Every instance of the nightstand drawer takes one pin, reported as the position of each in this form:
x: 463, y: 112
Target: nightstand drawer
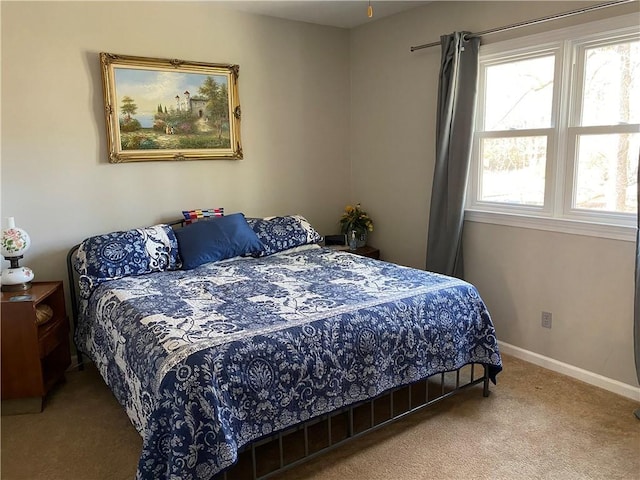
x: 52, y: 334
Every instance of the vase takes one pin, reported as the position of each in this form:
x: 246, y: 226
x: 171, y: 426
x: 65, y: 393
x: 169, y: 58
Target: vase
x: 361, y: 238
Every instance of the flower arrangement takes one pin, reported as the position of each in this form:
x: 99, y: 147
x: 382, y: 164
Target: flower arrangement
x: 354, y: 218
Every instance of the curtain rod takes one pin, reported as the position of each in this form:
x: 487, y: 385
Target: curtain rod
x: 534, y: 22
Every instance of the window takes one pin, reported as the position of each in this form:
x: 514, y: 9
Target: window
x: 558, y: 130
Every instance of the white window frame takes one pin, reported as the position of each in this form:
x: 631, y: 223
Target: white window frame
x: 557, y: 213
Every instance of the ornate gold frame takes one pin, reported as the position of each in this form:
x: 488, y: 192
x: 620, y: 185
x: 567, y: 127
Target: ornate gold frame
x: 177, y: 132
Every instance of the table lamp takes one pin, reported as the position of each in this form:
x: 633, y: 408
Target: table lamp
x: 15, y: 241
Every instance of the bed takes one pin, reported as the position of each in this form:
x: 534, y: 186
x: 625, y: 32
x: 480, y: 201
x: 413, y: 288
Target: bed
x: 230, y: 336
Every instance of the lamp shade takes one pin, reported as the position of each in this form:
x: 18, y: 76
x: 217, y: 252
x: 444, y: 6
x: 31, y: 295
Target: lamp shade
x: 15, y: 241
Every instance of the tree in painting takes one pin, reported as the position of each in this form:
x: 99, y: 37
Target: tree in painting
x: 129, y: 108
x: 216, y: 95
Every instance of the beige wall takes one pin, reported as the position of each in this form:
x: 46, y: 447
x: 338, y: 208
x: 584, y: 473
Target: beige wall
x: 56, y: 181
x: 329, y: 117
x: 585, y: 282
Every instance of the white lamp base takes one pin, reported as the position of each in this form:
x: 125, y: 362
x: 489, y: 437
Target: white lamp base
x: 16, y: 279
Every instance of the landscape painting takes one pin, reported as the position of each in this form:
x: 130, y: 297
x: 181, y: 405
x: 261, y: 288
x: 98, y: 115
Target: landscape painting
x: 161, y: 109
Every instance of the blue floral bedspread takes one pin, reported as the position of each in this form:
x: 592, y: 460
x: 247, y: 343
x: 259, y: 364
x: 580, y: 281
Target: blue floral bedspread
x: 208, y: 360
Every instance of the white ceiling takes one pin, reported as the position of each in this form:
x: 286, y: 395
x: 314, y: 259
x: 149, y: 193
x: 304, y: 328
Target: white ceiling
x: 335, y: 13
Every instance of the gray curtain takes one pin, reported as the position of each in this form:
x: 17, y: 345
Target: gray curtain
x: 636, y: 306
x: 454, y: 134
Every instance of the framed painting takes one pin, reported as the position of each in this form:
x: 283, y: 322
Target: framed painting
x: 161, y: 109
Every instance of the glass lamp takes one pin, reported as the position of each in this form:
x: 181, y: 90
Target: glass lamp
x: 15, y: 241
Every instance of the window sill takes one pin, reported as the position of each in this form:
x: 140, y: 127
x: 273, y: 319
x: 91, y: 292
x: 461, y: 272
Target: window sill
x: 572, y: 227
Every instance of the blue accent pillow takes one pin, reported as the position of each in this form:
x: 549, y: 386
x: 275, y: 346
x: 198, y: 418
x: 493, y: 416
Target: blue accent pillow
x: 216, y: 239
x: 281, y: 233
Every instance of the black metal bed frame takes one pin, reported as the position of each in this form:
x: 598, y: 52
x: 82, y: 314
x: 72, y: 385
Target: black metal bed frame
x: 267, y: 456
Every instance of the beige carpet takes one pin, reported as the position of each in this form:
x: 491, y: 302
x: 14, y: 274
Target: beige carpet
x: 535, y: 425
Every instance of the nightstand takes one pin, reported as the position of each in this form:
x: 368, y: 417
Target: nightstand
x: 366, y: 251
x: 35, y: 353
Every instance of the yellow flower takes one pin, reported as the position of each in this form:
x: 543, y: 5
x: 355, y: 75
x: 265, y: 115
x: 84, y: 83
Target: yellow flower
x: 354, y: 218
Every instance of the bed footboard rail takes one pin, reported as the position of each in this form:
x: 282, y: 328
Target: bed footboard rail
x: 287, y: 449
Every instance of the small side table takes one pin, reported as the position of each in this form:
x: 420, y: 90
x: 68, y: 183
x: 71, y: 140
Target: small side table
x: 35, y: 353
x: 366, y: 251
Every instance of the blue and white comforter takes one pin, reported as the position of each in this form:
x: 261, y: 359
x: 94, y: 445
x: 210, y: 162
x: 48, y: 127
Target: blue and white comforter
x: 208, y: 360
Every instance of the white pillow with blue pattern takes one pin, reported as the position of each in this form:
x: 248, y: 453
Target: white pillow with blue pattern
x: 282, y: 233
x: 125, y: 253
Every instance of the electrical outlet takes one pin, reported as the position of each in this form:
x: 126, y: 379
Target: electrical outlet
x: 546, y: 319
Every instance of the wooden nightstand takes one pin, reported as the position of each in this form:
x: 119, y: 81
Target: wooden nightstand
x: 366, y: 251
x: 34, y: 356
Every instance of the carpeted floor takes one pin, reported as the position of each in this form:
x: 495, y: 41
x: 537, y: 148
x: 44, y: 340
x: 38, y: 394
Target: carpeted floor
x: 535, y: 425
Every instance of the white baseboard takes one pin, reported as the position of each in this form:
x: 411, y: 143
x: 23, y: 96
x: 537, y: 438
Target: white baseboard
x: 591, y: 378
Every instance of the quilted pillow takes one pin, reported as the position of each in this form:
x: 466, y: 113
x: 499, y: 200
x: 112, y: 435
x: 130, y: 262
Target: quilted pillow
x: 217, y: 239
x: 281, y: 233
x: 125, y: 253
